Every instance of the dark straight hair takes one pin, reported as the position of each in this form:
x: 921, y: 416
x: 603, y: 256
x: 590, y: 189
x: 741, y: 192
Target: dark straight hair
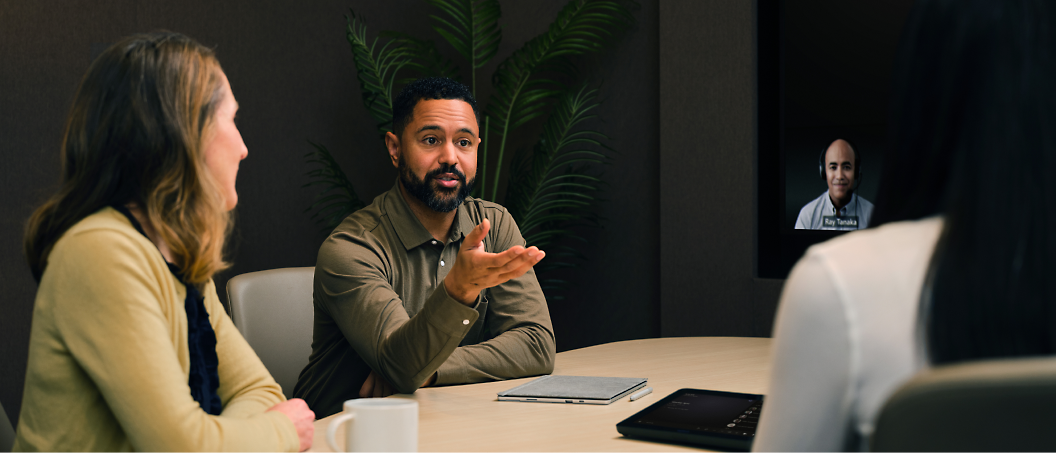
x: 974, y: 140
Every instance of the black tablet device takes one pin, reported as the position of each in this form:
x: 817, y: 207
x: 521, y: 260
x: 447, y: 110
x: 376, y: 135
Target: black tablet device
x: 719, y: 420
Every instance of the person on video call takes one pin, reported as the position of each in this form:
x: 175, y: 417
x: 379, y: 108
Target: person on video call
x: 939, y: 278
x: 426, y: 286
x: 839, y: 208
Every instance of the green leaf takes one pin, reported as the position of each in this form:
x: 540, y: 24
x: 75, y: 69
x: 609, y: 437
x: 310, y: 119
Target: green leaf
x: 426, y: 60
x: 521, y: 95
x: 338, y: 198
x: 377, y: 67
x: 553, y: 185
x: 471, y: 27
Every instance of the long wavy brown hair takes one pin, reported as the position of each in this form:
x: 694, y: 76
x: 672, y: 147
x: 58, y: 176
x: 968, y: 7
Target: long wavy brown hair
x: 135, y: 135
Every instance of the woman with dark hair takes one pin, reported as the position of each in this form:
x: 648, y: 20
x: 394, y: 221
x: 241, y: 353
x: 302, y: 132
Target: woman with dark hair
x: 961, y: 269
x: 130, y: 348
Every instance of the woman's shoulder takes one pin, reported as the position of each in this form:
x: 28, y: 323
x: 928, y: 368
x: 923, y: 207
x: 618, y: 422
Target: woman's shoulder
x: 888, y: 241
x: 886, y: 263
x: 106, y: 221
x: 105, y: 235
x: 103, y: 261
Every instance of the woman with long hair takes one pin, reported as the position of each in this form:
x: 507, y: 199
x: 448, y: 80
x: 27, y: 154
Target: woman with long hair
x: 130, y: 348
x: 961, y: 267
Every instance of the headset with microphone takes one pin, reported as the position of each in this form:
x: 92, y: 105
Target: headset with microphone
x: 857, y: 172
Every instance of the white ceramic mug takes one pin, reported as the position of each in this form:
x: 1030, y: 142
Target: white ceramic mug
x: 377, y: 424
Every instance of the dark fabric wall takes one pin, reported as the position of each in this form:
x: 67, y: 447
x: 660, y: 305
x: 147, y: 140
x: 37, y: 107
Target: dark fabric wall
x: 292, y: 73
x: 707, y: 172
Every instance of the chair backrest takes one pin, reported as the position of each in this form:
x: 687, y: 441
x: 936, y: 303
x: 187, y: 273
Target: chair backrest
x: 7, y: 432
x: 992, y: 405
x: 274, y: 311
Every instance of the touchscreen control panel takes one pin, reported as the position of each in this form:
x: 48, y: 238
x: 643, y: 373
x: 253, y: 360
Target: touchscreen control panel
x: 711, y: 413
x: 704, y: 417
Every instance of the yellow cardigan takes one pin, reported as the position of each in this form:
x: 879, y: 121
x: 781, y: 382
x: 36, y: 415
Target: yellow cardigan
x: 108, y: 359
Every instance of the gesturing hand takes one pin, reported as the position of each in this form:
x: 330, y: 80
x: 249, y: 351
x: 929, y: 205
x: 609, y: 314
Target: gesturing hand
x: 302, y: 418
x: 476, y: 269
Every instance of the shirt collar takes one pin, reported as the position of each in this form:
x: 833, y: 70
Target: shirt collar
x: 410, y: 230
x: 851, y: 206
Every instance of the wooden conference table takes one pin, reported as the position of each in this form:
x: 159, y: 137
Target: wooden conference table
x: 470, y: 418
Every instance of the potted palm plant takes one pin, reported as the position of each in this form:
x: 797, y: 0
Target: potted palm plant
x: 551, y: 186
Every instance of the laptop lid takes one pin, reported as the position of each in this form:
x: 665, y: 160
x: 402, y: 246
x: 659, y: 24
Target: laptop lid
x: 573, y: 389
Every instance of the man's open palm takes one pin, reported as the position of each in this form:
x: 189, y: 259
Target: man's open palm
x: 476, y: 269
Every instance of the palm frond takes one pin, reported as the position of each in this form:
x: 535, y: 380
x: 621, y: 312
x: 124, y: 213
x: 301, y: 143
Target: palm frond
x: 582, y: 26
x: 376, y: 69
x: 472, y: 28
x: 426, y: 60
x: 554, y: 187
x: 338, y: 198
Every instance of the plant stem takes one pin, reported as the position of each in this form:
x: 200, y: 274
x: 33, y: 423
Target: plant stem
x: 502, y: 141
x: 498, y: 167
x: 473, y: 50
x: 484, y: 154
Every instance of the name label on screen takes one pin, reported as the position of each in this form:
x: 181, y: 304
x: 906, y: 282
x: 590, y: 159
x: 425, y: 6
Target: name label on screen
x: 831, y: 221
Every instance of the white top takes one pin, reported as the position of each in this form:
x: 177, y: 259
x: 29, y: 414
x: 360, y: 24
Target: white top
x: 811, y: 217
x: 846, y: 337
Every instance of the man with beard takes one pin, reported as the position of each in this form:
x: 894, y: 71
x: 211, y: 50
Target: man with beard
x: 425, y: 286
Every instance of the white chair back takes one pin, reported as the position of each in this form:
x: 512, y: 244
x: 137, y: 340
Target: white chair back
x: 273, y: 310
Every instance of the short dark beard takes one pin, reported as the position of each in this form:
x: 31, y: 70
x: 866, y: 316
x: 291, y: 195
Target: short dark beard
x: 429, y: 194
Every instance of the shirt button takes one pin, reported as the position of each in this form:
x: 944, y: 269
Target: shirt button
x: 433, y: 241
x: 441, y: 262
x: 465, y: 322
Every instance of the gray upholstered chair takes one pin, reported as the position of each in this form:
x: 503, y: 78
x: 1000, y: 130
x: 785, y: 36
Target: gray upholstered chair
x: 992, y: 405
x: 273, y: 310
x: 7, y: 432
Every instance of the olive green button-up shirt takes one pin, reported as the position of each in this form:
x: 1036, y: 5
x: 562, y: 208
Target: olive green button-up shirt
x: 380, y: 304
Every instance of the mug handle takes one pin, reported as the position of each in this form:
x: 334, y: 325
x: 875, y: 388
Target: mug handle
x: 332, y: 430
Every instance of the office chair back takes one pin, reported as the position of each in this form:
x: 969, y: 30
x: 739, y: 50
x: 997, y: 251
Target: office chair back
x: 992, y: 405
x: 274, y: 311
x: 7, y: 432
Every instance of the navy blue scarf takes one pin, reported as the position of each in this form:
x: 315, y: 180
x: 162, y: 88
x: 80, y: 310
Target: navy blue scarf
x: 201, y: 339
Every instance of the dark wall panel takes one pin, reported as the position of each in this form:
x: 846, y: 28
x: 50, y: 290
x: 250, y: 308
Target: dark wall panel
x: 707, y: 172
x: 615, y: 295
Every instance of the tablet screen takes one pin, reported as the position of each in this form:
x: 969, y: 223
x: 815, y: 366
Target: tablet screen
x: 707, y: 412
x: 704, y: 417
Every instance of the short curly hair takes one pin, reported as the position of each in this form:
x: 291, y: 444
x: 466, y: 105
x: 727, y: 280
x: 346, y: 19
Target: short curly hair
x: 428, y: 88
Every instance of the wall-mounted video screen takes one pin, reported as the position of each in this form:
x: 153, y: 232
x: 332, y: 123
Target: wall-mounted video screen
x: 824, y: 89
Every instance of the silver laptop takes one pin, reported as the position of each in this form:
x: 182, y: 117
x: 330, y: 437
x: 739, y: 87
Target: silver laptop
x: 573, y: 389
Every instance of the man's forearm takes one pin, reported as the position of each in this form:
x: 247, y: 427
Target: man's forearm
x: 411, y: 353
x: 519, y: 352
